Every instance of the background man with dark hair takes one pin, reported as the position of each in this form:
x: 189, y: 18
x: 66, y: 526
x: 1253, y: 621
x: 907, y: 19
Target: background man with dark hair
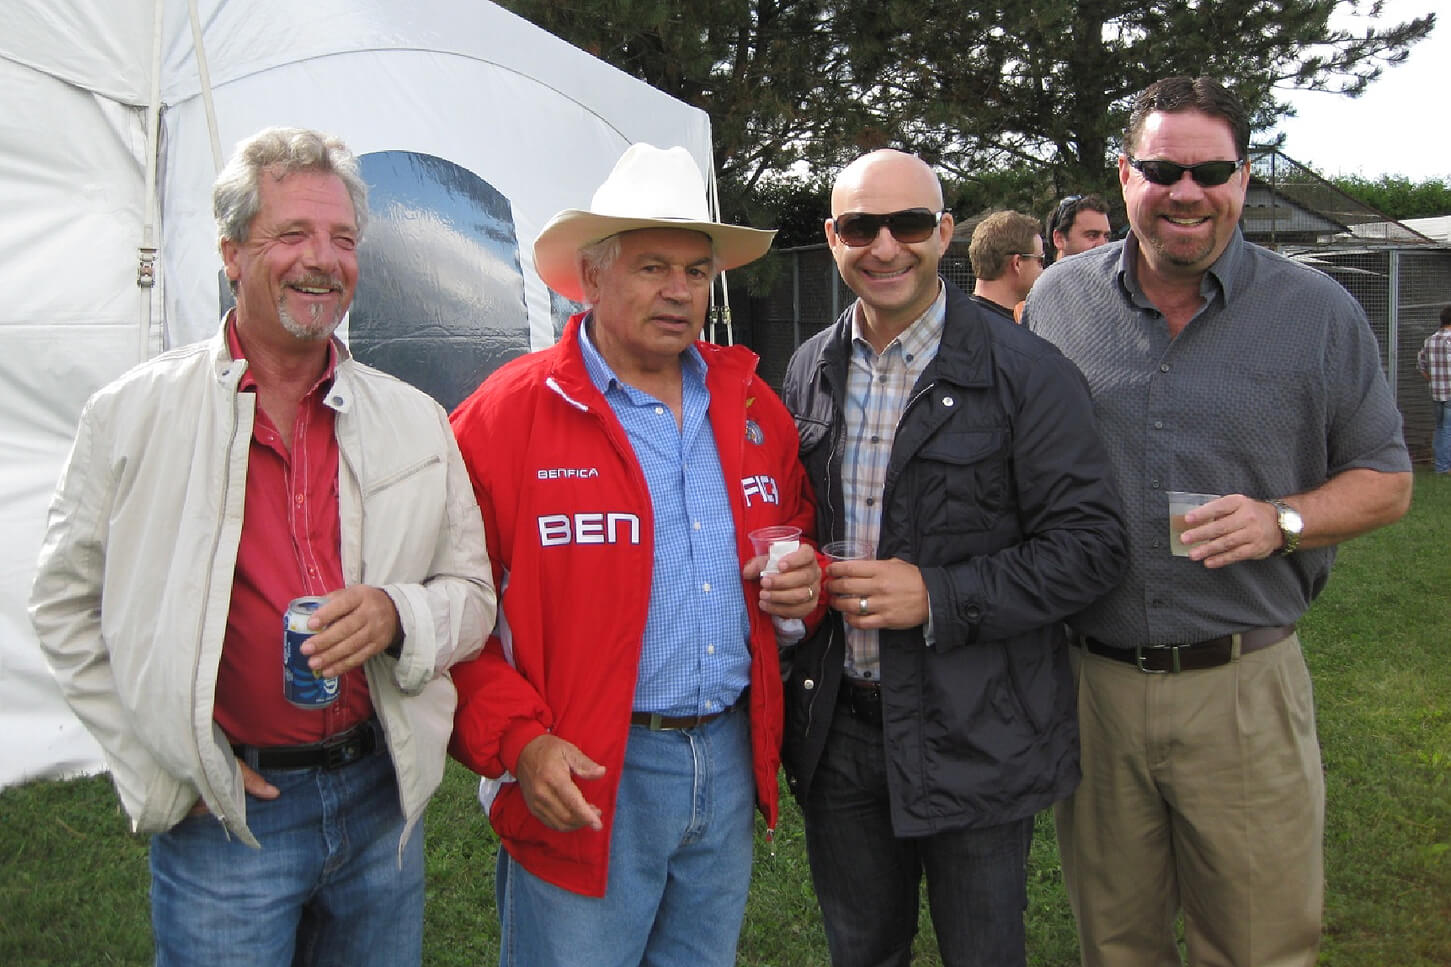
x: 1079, y: 223
x: 1219, y: 368
x: 1007, y: 257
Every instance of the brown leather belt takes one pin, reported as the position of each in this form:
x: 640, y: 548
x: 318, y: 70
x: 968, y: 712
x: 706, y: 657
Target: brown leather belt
x: 334, y: 752
x: 665, y: 723
x: 1158, y: 659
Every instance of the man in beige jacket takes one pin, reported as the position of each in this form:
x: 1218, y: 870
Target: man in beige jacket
x: 209, y: 487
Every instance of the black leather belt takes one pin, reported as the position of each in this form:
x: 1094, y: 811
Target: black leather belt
x: 1158, y: 659
x: 666, y: 723
x: 334, y: 752
x: 862, y: 699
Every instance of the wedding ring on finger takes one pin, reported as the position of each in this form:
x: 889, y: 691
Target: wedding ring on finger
x: 861, y: 607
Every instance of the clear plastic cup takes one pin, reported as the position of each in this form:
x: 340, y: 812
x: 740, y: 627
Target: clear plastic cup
x: 774, y: 543
x: 849, y: 550
x: 1181, y: 503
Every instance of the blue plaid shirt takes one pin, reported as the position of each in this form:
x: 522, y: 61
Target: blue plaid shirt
x: 878, y: 389
x: 695, y: 659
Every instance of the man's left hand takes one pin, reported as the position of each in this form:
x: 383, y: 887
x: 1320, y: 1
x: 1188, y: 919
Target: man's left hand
x: 356, y: 623
x: 1232, y: 529
x: 791, y: 592
x: 894, y: 592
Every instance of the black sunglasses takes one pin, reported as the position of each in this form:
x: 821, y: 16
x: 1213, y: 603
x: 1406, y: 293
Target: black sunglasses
x: 1065, y: 208
x: 1206, y: 174
x: 908, y: 226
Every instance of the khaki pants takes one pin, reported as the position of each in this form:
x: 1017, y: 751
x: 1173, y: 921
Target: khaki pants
x: 1201, y: 790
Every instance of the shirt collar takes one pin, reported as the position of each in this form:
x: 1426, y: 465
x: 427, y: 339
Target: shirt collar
x: 923, y: 334
x: 1223, y: 275
x: 603, y: 377
x: 248, y: 381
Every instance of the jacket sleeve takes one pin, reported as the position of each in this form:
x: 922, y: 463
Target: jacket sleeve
x: 65, y: 610
x: 499, y: 710
x: 1073, y: 545
x: 798, y: 499
x: 446, y: 617
x: 498, y: 713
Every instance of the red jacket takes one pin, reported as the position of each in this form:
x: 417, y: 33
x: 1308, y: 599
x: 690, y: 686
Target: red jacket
x: 567, y: 519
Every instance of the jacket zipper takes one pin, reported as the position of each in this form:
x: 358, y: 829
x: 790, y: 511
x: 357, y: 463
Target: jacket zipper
x: 924, y: 391
x: 201, y: 620
x: 837, y: 433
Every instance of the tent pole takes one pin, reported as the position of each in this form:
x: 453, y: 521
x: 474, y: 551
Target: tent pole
x: 204, y: 75
x: 146, y: 254
x: 721, y: 313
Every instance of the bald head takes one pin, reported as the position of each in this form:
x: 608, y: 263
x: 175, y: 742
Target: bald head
x: 877, y: 182
x: 893, y: 233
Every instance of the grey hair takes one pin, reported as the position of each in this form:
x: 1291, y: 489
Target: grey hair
x: 237, y: 197
x: 599, y: 255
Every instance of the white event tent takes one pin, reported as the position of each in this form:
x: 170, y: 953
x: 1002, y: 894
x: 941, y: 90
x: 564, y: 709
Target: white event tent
x: 474, y: 126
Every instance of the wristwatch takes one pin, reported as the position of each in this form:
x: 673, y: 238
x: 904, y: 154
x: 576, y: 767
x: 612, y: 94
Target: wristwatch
x: 1291, y: 525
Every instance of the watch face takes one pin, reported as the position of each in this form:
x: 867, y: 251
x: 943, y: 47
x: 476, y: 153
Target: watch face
x: 1291, y: 521
x: 1290, y: 524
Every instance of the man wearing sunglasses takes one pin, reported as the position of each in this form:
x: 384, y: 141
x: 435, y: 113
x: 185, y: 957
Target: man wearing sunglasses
x: 930, y: 715
x: 1078, y: 224
x: 1217, y: 367
x: 1007, y: 257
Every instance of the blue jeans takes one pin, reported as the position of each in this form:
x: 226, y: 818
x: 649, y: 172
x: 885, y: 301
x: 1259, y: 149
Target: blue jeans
x: 1441, y: 438
x: 325, y: 888
x: 867, y: 879
x: 680, y: 863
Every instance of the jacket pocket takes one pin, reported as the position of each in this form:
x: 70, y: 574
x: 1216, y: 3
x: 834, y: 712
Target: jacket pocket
x: 373, y: 487
x: 1034, y: 683
x: 812, y: 434
x: 960, y: 480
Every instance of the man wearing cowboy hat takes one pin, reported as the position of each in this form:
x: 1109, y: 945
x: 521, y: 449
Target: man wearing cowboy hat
x: 627, y: 710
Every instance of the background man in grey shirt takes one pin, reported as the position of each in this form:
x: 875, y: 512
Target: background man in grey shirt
x: 1217, y: 367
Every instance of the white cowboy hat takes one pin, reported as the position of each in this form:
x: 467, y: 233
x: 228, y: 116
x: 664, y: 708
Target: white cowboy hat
x: 650, y: 187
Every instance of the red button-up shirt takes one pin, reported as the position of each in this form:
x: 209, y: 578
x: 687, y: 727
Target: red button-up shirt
x: 290, y: 547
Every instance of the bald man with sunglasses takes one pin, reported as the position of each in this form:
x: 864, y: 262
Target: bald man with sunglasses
x: 931, y: 716
x: 1218, y: 367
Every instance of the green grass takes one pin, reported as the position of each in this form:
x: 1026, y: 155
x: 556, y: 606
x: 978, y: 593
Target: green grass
x: 73, y: 889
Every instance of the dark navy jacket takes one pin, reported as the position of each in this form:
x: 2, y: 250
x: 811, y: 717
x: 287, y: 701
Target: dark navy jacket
x: 999, y: 490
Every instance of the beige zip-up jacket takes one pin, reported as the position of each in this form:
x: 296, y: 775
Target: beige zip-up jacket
x: 135, y: 576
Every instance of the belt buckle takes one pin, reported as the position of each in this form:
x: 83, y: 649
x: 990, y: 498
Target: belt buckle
x: 1139, y: 660
x: 342, y: 749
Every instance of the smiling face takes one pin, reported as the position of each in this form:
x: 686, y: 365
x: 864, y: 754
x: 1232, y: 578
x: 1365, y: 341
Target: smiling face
x: 896, y: 281
x: 296, y: 272
x: 1182, y: 227
x: 650, y: 300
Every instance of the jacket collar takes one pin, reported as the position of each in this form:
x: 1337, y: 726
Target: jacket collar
x: 229, y: 371
x: 964, y: 356
x: 569, y: 378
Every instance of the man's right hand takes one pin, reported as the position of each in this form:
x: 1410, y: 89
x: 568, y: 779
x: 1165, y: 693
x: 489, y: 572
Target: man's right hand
x: 545, y: 771
x: 252, y: 783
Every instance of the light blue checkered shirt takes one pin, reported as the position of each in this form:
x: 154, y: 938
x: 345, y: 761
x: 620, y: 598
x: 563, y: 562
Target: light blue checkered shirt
x: 878, y: 389
x: 695, y: 660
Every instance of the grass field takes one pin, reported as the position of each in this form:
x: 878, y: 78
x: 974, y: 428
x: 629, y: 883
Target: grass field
x: 73, y: 889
